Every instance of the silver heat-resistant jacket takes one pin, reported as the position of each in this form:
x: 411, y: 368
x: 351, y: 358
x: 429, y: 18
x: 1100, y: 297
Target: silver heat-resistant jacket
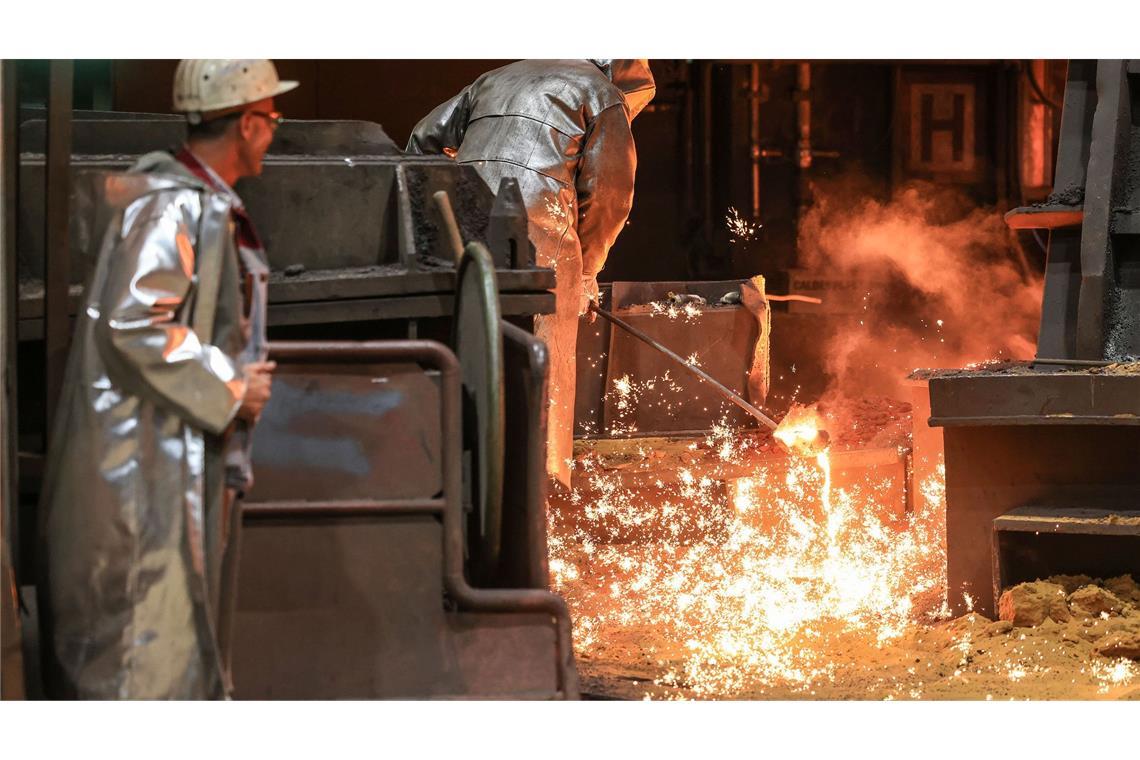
x: 134, y: 485
x: 562, y: 129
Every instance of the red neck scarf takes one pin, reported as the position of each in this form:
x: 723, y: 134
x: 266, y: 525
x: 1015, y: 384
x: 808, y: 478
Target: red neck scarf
x: 246, y: 233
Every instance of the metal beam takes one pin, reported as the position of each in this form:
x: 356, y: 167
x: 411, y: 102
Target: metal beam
x: 57, y: 254
x: 1057, y: 336
x: 9, y: 295
x: 11, y: 658
x: 407, y: 307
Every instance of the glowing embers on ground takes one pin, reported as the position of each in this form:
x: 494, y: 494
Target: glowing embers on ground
x: 1114, y: 672
x: 749, y: 581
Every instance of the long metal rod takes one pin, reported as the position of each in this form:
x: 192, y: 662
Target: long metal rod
x: 57, y: 253
x: 450, y: 225
x: 723, y: 390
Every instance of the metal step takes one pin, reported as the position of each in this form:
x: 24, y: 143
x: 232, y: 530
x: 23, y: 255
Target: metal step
x: 1035, y: 542
x: 1099, y: 522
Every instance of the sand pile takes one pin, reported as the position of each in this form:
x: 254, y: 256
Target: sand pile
x: 1030, y: 604
x: 1065, y: 599
x: 1104, y: 613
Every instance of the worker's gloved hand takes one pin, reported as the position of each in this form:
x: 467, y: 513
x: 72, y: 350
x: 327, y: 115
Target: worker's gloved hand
x: 258, y: 386
x: 589, y: 293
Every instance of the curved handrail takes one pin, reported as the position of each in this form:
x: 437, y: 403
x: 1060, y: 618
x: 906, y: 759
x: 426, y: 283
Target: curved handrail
x: 440, y: 357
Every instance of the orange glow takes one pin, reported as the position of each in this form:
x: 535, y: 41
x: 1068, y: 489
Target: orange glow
x: 176, y: 336
x: 756, y: 582
x: 752, y: 600
x: 803, y: 431
x: 936, y: 285
x: 185, y: 253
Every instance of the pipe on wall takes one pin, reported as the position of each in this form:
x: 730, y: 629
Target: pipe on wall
x: 803, y: 113
x: 707, y: 146
x: 803, y: 144
x: 754, y: 135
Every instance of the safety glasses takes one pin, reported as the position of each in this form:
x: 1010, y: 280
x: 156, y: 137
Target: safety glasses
x: 274, y: 117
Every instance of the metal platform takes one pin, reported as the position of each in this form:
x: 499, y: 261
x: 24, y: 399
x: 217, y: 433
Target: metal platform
x: 1034, y: 542
x: 1041, y: 463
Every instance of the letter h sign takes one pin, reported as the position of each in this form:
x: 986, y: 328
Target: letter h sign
x: 941, y: 128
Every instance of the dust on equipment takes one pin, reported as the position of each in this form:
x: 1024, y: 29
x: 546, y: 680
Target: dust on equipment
x: 1042, y: 469
x: 394, y: 545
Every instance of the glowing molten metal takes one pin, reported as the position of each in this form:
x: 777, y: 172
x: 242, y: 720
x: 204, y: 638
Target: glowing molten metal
x: 802, y: 432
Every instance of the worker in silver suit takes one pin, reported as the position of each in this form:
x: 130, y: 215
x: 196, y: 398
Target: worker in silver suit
x: 167, y: 376
x: 562, y: 129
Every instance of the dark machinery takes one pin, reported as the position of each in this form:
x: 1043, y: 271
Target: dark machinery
x: 1042, y: 463
x: 382, y: 556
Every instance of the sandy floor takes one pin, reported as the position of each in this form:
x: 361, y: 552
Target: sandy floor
x: 968, y: 658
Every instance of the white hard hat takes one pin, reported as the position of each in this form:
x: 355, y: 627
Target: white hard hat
x: 206, y: 85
